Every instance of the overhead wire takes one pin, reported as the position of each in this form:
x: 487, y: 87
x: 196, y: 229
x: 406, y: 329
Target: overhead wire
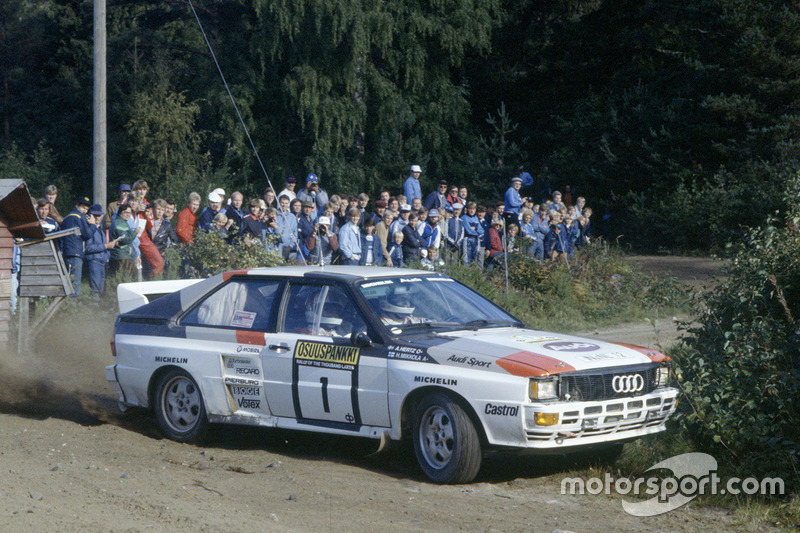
x: 241, y: 120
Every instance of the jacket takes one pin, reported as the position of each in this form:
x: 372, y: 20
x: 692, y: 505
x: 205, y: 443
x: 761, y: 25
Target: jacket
x: 72, y: 245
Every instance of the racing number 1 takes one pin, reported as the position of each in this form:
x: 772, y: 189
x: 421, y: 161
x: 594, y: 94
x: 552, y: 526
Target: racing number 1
x: 325, y: 405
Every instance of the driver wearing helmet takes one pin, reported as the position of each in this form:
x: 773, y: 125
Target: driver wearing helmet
x: 397, y: 309
x: 330, y: 320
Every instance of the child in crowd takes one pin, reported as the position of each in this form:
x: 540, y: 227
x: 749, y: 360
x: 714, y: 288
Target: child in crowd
x: 396, y: 250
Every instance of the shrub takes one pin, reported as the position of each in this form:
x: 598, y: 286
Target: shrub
x: 209, y: 254
x: 739, y: 366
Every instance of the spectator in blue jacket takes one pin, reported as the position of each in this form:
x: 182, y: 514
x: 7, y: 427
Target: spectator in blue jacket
x: 97, y: 250
x: 437, y: 198
x: 206, y: 219
x: 350, y: 238
x: 371, y: 247
x: 72, y: 245
x: 396, y: 250
x: 513, y: 201
x: 411, y: 188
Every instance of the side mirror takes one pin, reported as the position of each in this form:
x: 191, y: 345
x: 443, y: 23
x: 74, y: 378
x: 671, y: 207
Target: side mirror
x: 360, y: 339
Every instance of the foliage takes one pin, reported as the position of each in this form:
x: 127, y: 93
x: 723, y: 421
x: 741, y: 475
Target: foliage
x: 597, y: 287
x: 210, y: 254
x: 38, y: 171
x: 739, y: 367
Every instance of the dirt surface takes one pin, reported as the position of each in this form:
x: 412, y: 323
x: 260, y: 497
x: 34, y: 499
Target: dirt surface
x: 72, y: 462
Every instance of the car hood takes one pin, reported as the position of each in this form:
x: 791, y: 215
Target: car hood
x: 529, y: 353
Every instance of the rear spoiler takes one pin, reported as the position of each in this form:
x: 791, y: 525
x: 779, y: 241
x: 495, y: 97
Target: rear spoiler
x: 133, y: 295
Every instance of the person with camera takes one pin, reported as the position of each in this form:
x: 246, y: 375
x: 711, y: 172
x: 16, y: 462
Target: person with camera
x: 322, y: 245
x: 314, y: 194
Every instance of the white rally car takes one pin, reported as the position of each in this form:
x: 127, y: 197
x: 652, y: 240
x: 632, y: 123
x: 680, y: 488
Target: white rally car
x: 380, y: 353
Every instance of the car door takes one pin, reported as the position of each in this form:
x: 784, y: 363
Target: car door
x: 313, y: 372
x: 226, y: 333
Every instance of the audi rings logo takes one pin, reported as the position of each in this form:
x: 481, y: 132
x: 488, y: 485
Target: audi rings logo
x: 628, y: 383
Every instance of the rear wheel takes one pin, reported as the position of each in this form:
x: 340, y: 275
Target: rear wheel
x: 179, y: 407
x: 446, y: 443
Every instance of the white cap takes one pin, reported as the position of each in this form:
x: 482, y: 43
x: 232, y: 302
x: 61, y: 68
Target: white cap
x: 405, y: 207
x: 458, y: 205
x: 219, y: 191
x: 415, y: 168
x: 214, y: 197
x: 325, y: 220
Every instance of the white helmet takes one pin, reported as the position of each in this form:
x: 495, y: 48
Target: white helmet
x: 399, y: 304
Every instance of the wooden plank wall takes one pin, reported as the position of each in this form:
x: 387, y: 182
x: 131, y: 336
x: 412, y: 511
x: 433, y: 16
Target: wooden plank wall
x: 6, y: 255
x: 42, y: 273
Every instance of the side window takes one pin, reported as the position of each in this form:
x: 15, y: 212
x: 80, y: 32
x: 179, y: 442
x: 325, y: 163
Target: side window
x: 321, y: 310
x: 239, y: 304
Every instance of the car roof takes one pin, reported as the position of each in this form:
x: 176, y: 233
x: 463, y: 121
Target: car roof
x: 332, y: 271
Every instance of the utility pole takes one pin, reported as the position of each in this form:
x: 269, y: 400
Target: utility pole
x: 100, y: 136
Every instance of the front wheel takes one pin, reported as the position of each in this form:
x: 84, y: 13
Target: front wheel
x: 446, y: 443
x: 179, y: 407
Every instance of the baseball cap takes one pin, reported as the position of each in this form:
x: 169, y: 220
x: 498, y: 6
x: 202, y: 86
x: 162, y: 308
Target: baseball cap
x: 96, y: 209
x: 83, y: 200
x: 312, y: 178
x: 405, y: 207
x: 433, y: 213
x: 308, y: 203
x: 124, y: 187
x: 415, y: 168
x: 516, y: 178
x: 325, y: 220
x: 458, y: 205
x: 291, y: 179
x: 219, y: 191
x: 214, y: 197
x: 442, y: 182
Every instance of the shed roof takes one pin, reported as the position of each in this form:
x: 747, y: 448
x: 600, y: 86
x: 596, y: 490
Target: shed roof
x: 17, y: 212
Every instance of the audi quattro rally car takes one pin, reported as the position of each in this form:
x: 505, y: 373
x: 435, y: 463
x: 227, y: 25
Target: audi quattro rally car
x: 380, y: 353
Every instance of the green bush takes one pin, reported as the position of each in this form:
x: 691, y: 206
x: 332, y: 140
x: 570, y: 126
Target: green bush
x: 209, y: 254
x: 739, y: 366
x: 597, y: 287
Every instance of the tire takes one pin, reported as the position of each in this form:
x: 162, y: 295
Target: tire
x: 179, y: 407
x: 446, y: 443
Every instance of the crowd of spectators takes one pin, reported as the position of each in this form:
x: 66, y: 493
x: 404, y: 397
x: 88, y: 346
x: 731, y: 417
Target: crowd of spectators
x: 130, y: 235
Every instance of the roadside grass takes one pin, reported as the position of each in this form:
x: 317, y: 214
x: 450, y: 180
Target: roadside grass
x: 597, y: 288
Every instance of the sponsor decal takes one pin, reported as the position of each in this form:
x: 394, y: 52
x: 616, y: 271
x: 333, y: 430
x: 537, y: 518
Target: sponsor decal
x: 471, y: 361
x: 165, y: 359
x: 408, y: 353
x: 377, y: 283
x: 533, y: 339
x: 605, y: 356
x: 501, y: 410
x: 410, y: 280
x: 240, y: 381
x: 446, y: 280
x: 243, y: 319
x: 248, y: 349
x: 231, y: 362
x: 247, y: 371
x: 247, y: 403
x: 570, y: 346
x: 238, y: 390
x: 435, y: 380
x: 326, y: 355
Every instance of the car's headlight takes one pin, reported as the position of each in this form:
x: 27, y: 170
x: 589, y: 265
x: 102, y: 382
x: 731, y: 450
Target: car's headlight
x: 545, y: 389
x: 662, y: 376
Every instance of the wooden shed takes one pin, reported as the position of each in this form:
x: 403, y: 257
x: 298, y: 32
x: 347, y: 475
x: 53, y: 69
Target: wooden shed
x: 42, y: 273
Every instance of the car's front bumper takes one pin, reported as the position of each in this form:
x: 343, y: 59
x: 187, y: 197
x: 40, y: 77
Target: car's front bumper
x: 597, y: 422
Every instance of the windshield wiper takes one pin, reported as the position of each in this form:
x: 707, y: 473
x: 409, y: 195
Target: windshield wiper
x: 417, y: 326
x: 483, y: 322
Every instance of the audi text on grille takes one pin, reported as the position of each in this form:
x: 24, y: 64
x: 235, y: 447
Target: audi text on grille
x: 616, y: 383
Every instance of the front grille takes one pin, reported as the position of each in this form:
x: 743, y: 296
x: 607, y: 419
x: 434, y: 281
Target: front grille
x: 599, y: 386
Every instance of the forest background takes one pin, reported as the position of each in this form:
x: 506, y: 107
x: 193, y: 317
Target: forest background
x: 677, y: 119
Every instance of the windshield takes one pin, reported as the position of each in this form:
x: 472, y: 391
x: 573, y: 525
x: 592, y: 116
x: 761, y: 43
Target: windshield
x: 419, y: 303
